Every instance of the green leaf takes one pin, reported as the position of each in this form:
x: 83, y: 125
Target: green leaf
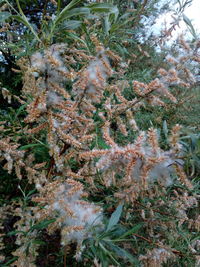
x: 103, y: 7
x: 64, y: 12
x: 16, y: 232
x: 20, y: 19
x: 82, y: 11
x: 123, y: 254
x: 20, y: 109
x: 71, y: 5
x: 120, y: 49
x: 9, y: 262
x: 101, y: 143
x: 114, y: 219
x: 106, y: 25
x: 133, y: 230
x: 165, y: 129
x: 31, y: 192
x: 28, y: 146
x: 71, y: 24
x: 4, y: 16
x: 42, y: 225
x: 38, y: 242
x: 190, y: 26
x: 187, y: 20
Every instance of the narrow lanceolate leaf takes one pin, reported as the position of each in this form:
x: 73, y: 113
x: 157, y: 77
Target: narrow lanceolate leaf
x: 133, y: 230
x: 71, y: 24
x: 71, y: 5
x: 65, y: 10
x: 42, y: 225
x: 124, y: 254
x: 102, y: 7
x: 16, y: 232
x: 114, y: 219
x: 165, y: 129
x: 187, y: 20
x: 4, y: 16
x: 106, y: 24
x: 29, y: 146
x: 82, y: 11
x: 189, y: 23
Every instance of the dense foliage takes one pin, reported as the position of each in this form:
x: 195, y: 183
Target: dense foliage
x: 99, y: 142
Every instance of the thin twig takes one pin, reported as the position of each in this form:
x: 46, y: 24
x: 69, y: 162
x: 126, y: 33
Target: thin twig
x: 159, y: 245
x: 65, y: 256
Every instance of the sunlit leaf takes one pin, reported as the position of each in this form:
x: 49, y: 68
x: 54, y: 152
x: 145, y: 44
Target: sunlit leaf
x: 190, y: 26
x: 133, y: 230
x: 71, y: 24
x: 82, y: 11
x: 4, y: 16
x: 65, y: 10
x: 114, y: 219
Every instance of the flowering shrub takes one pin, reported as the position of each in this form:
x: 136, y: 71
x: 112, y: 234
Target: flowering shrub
x: 75, y: 110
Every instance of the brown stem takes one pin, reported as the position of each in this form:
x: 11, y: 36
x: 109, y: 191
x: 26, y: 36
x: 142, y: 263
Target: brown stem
x: 159, y: 245
x: 52, y: 163
x: 144, y: 238
x: 65, y: 256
